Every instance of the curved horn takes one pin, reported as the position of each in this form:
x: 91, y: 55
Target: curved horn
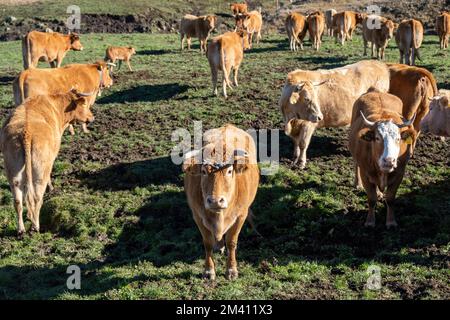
x: 367, y: 122
x: 111, y: 64
x: 407, y: 123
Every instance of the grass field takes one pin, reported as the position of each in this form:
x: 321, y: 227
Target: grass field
x: 119, y: 210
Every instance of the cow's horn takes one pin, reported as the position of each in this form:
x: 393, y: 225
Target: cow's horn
x: 111, y: 64
x: 407, y: 123
x: 367, y: 122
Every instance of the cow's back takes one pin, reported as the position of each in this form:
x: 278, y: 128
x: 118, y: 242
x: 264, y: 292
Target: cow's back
x: 188, y: 25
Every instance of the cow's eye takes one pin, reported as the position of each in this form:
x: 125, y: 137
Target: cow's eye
x: 377, y: 138
x: 230, y: 171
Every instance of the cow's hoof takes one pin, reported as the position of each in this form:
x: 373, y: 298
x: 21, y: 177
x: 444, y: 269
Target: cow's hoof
x: 369, y: 224
x: 232, y: 274
x: 209, y: 275
x: 20, y: 234
x: 33, y: 230
x: 380, y: 195
x: 391, y: 225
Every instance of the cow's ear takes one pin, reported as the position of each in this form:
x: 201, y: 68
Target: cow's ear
x: 443, y: 102
x: 367, y: 134
x: 408, y: 136
x: 294, y: 97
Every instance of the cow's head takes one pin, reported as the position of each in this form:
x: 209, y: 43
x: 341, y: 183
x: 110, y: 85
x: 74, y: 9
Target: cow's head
x: 78, y: 108
x: 437, y: 119
x: 359, y: 17
x: 244, y: 38
x: 75, y: 43
x: 305, y: 102
x: 210, y: 22
x: 388, y: 140
x: 388, y: 29
x: 132, y: 50
x: 106, y: 80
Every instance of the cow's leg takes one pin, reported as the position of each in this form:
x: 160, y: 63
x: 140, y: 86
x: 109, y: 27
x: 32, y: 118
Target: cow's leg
x: 231, y: 241
x: 39, y: 190
x: 391, y: 192
x: 371, y: 190
x: 71, y: 129
x: 306, y: 132
x: 343, y: 35
x: 401, y: 56
x: 189, y: 41
x: 236, y: 71
x: 84, y: 126
x: 208, y: 243
x: 183, y: 38
x: 258, y: 36
x: 214, y: 76
x: 129, y: 65
x: 17, y: 190
x: 365, y: 47
x: 358, y: 182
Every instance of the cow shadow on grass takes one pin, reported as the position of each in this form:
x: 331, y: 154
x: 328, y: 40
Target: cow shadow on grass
x: 145, y: 93
x: 6, y: 80
x: 154, y: 52
x: 324, y: 62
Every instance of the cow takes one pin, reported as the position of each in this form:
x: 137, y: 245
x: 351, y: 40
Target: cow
x: 409, y: 37
x: 345, y: 23
x: 329, y: 14
x: 30, y: 140
x: 324, y: 98
x: 226, y: 53
x: 200, y: 27
x: 437, y: 121
x: 378, y: 31
x: 120, y: 54
x: 443, y: 29
x: 92, y: 78
x: 296, y: 28
x: 51, y: 47
x: 221, y: 183
x: 238, y: 8
x: 415, y: 87
x: 316, y: 27
x: 380, y: 141
x: 252, y: 23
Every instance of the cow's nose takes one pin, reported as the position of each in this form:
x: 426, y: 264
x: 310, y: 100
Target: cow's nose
x: 320, y: 117
x: 216, y: 202
x: 390, y: 162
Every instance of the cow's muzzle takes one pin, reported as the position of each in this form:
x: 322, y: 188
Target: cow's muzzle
x: 216, y: 204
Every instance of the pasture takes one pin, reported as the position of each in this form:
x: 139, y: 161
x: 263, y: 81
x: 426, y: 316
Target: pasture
x: 119, y: 211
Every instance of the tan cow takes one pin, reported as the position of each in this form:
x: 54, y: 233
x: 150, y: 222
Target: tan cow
x: 252, y: 23
x: 221, y: 182
x: 378, y: 31
x: 329, y: 14
x: 120, y: 54
x: 296, y: 28
x: 91, y: 78
x: 324, y: 98
x: 199, y: 27
x: 409, y: 37
x: 380, y: 142
x: 437, y: 121
x: 238, y: 8
x: 316, y: 27
x: 225, y: 53
x: 345, y: 23
x: 51, y: 47
x: 443, y: 29
x: 30, y: 141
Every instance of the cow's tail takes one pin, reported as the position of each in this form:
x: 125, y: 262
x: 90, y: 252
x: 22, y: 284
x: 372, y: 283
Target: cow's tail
x: 26, y: 51
x: 29, y: 189
x: 224, y: 69
x: 18, y: 90
x: 415, y: 45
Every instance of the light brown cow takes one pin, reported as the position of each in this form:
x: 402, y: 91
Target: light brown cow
x: 252, y: 23
x: 89, y: 78
x: 316, y: 27
x: 221, y: 184
x: 345, y: 23
x: 378, y: 31
x: 443, y: 29
x: 409, y: 37
x: 30, y: 141
x: 380, y: 142
x: 329, y: 14
x: 51, y: 47
x: 200, y: 27
x: 120, y: 54
x: 238, y: 8
x: 225, y: 53
x: 437, y: 121
x: 324, y: 98
x: 296, y: 28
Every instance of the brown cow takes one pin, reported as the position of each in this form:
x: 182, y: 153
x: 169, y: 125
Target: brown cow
x: 345, y: 23
x: 296, y: 28
x: 324, y: 98
x: 409, y: 37
x: 329, y: 14
x: 252, y: 23
x: 51, y: 47
x: 120, y: 54
x: 30, y: 141
x: 380, y: 142
x: 437, y: 121
x: 238, y: 8
x: 443, y: 29
x: 378, y: 31
x: 225, y: 53
x: 220, y: 187
x: 90, y: 78
x: 316, y: 27
x: 200, y: 27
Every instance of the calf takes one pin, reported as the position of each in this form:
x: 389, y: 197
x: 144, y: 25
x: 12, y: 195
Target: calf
x: 238, y: 8
x: 345, y: 24
x: 30, y: 140
x: 380, y: 142
x: 316, y: 27
x: 378, y: 37
x: 225, y: 53
x: 296, y: 28
x: 329, y: 14
x: 120, y: 54
x: 221, y: 182
x: 51, y: 47
x: 252, y: 23
x: 200, y: 27
x: 409, y: 37
x: 437, y: 121
x: 443, y: 29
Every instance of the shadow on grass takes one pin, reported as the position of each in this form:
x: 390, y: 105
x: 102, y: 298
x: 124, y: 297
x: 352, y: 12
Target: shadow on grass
x: 6, y: 80
x: 154, y: 52
x: 324, y: 62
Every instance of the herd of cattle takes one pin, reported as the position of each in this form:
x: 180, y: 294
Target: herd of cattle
x: 385, y: 105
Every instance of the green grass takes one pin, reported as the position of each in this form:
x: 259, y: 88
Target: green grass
x: 119, y: 210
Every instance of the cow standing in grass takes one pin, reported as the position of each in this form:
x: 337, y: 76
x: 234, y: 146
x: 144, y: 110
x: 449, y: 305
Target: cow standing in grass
x: 120, y: 54
x: 199, y: 27
x: 316, y: 27
x: 409, y: 37
x: 296, y: 28
x: 443, y: 29
x: 252, y: 22
x: 378, y: 37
